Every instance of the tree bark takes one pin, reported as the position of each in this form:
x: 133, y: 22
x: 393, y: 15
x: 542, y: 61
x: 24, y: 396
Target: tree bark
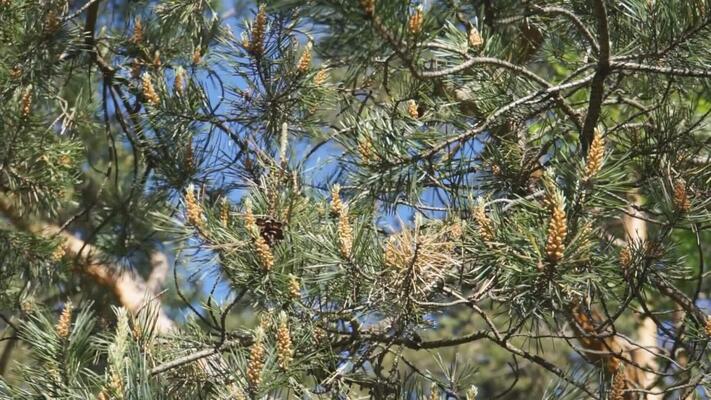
x: 131, y: 290
x: 645, y: 354
x: 639, y: 358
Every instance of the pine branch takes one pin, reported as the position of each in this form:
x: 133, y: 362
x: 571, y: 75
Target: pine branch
x: 668, y: 71
x: 202, y: 354
x: 130, y: 289
x: 472, y: 61
x: 545, y: 364
x: 92, y: 7
x: 575, y: 20
x: 484, y: 125
x: 598, y: 82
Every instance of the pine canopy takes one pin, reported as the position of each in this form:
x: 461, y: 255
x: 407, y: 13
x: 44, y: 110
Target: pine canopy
x: 351, y: 199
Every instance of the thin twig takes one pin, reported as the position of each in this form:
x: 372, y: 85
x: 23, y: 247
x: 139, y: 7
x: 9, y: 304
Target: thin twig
x: 669, y: 71
x: 244, y: 341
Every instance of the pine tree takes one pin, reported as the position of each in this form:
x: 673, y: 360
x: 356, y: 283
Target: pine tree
x: 354, y: 199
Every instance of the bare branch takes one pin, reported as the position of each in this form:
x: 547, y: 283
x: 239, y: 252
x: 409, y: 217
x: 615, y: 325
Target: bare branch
x: 598, y: 82
x: 669, y: 71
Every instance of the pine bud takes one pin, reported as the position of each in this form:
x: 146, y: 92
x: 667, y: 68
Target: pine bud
x: 52, y: 22
x: 255, y: 364
x: 262, y: 249
x: 57, y: 253
x: 193, y: 211
x: 495, y: 169
x: 116, y: 385
x: 345, y: 233
x: 486, y: 229
x: 434, y: 392
x: 179, y: 83
x: 617, y: 390
x: 294, y: 287
x: 336, y: 203
x: 681, y: 198
x: 583, y: 324
x: 594, y: 160
x: 27, y: 305
x: 102, y: 395
x: 625, y: 258
x: 321, y: 77
x: 16, y: 72
x: 265, y: 320
x: 256, y: 45
x: 305, y: 59
x: 472, y: 392
x: 707, y: 328
x: 264, y: 253
x: 237, y: 393
x: 365, y: 149
x: 197, y: 56
x: 412, y: 109
x: 149, y: 91
x: 64, y: 160
x: 250, y: 222
x: 295, y: 187
x: 64, y: 325
x: 245, y: 41
x: 26, y: 103
x: 225, y: 212
x: 156, y: 59
x: 414, y: 25
x: 285, y: 351
x: 137, y: 37
x: 368, y: 7
x: 557, y: 230
x: 475, y: 39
